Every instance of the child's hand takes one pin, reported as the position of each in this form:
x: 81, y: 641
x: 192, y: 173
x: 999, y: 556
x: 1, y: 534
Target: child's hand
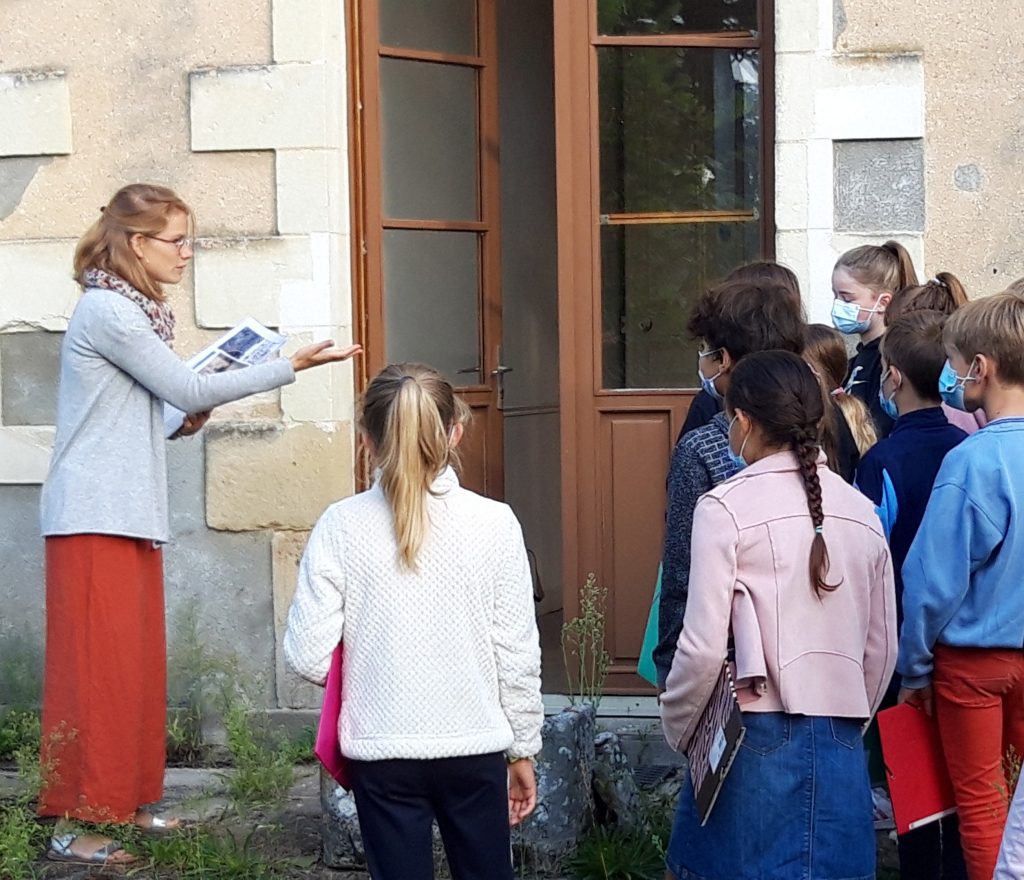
x: 522, y: 790
x: 919, y: 697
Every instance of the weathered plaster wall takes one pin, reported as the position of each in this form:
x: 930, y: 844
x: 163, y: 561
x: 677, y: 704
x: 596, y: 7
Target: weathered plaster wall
x: 974, y: 130
x: 239, y: 105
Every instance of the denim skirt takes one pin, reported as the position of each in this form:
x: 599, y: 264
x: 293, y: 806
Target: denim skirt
x: 796, y: 805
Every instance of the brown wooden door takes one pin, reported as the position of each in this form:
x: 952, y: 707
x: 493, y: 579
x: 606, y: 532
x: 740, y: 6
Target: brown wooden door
x: 425, y: 169
x: 660, y: 165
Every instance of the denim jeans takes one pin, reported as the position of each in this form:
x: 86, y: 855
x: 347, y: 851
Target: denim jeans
x: 796, y: 805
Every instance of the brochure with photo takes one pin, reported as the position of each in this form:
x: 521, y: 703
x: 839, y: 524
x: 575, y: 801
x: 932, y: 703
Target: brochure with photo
x: 244, y: 345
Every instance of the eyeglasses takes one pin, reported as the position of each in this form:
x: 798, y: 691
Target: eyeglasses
x: 180, y: 243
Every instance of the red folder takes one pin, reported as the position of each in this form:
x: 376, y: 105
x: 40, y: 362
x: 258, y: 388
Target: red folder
x: 327, y: 748
x: 915, y: 767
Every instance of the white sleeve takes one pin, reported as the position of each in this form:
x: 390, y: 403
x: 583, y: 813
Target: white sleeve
x: 517, y: 647
x: 1011, y: 854
x: 317, y: 614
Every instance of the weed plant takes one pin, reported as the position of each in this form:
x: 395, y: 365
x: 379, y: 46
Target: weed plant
x: 19, y: 731
x: 583, y: 652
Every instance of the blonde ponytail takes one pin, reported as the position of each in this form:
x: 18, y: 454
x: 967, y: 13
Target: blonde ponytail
x: 409, y: 412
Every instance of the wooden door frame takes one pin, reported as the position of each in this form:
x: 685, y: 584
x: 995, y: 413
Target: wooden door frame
x: 579, y: 277
x: 368, y: 221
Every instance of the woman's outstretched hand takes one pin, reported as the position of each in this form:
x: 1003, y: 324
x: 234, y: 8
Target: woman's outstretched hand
x: 320, y: 353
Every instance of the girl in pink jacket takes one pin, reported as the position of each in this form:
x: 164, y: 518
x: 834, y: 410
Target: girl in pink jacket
x: 790, y: 564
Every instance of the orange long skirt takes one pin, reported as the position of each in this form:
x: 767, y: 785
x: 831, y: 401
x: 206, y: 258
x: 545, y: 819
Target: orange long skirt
x: 105, y: 685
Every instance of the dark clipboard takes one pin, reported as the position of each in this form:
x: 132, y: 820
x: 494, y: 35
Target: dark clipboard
x: 715, y: 743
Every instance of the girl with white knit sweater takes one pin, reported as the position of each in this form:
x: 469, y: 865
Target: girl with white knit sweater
x: 428, y: 586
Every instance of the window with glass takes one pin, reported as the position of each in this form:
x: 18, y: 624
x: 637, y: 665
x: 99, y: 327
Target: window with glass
x: 681, y: 189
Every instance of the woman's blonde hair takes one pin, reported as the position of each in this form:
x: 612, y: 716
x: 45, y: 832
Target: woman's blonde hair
x: 886, y: 267
x: 408, y: 412
x: 136, y: 209
x: 826, y: 351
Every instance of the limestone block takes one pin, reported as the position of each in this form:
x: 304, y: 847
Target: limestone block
x: 235, y: 278
x: 270, y: 477
x: 791, y: 186
x: 791, y: 251
x: 267, y: 107
x: 820, y: 174
x: 36, y: 287
x: 292, y: 691
x: 795, y: 78
x: 307, y: 30
x: 223, y: 579
x: 326, y: 394
x: 312, y: 191
x: 36, y: 111
x: 871, y: 97
x: 25, y: 454
x: 29, y: 369
x: 879, y: 185
x: 803, y: 26
x: 22, y: 596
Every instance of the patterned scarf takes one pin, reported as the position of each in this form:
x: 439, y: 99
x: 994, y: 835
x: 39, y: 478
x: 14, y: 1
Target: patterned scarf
x: 159, y: 313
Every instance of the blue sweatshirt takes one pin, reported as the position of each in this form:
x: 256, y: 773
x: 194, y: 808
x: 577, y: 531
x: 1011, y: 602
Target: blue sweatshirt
x: 963, y: 577
x: 898, y: 473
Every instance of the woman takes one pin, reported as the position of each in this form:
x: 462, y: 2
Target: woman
x: 792, y: 561
x: 864, y: 281
x: 429, y: 587
x: 104, y: 517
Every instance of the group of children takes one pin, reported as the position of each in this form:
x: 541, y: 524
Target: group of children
x: 900, y: 421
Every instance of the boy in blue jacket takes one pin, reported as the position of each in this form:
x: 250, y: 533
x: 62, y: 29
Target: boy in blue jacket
x: 962, y: 641
x: 897, y: 474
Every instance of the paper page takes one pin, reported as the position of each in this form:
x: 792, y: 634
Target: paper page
x: 245, y: 345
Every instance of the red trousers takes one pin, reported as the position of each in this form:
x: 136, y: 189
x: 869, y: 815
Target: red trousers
x: 104, y: 691
x: 979, y: 702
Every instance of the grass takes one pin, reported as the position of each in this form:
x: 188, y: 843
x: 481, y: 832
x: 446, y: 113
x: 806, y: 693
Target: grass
x: 19, y: 730
x: 207, y: 854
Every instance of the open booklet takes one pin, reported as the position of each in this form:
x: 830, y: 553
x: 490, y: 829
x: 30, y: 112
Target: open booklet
x: 244, y: 345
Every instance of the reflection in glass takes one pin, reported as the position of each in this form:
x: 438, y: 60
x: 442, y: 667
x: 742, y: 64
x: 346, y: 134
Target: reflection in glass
x: 651, y: 276
x: 429, y: 135
x: 618, y: 17
x: 431, y: 25
x: 679, y: 129
x: 431, y: 296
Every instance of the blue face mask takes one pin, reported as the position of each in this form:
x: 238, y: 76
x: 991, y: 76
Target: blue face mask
x: 846, y: 317
x: 705, y: 383
x: 888, y: 404
x: 951, y: 386
x: 737, y: 459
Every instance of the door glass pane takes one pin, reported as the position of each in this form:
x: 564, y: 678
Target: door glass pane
x: 433, y: 25
x: 429, y: 137
x: 679, y: 129
x: 651, y: 276
x: 618, y: 17
x: 432, y: 300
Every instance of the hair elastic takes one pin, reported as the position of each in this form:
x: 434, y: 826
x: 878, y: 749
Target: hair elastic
x: 817, y: 530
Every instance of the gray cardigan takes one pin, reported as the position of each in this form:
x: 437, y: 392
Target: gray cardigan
x: 108, y: 474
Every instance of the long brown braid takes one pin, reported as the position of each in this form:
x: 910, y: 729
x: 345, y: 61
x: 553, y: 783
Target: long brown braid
x: 778, y: 392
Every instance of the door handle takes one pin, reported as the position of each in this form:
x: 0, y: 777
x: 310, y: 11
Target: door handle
x: 499, y: 374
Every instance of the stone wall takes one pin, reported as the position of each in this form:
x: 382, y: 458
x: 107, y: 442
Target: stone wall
x: 239, y: 105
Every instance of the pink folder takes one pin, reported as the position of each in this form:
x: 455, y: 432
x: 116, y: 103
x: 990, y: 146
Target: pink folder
x: 327, y: 748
